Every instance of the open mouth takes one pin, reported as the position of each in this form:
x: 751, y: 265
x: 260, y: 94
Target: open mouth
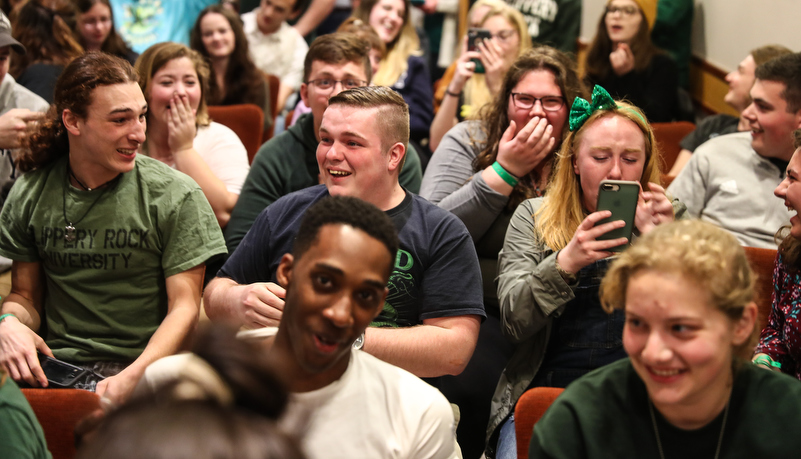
x: 326, y: 344
x: 127, y: 151
x: 338, y: 173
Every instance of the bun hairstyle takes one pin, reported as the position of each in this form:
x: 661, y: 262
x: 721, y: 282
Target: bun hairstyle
x: 222, y: 403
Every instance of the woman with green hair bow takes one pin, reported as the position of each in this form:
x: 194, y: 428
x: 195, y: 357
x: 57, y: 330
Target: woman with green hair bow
x: 552, y: 262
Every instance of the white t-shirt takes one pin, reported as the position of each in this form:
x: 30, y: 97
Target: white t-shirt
x: 225, y: 154
x: 374, y: 410
x: 280, y: 53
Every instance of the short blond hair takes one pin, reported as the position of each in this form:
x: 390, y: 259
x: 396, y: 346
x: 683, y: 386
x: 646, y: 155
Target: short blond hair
x: 702, y: 253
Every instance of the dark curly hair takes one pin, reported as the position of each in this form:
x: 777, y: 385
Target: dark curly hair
x: 496, y: 114
x: 73, y: 92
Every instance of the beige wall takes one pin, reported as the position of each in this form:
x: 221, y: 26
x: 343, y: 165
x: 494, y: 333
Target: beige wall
x: 725, y: 30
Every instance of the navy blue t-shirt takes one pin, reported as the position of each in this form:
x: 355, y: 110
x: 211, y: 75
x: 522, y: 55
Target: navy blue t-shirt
x: 436, y: 270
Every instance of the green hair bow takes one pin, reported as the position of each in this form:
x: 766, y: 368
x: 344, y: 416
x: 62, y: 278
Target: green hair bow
x: 581, y: 109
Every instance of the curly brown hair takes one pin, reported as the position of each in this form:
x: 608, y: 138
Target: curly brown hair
x: 73, y: 92
x: 496, y: 114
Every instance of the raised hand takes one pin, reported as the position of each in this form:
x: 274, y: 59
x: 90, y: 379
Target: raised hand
x: 181, y: 124
x: 584, y: 248
x: 522, y: 152
x: 622, y: 59
x: 653, y: 209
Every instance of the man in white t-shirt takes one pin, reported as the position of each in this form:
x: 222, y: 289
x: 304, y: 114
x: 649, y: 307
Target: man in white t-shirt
x: 275, y: 46
x: 349, y: 403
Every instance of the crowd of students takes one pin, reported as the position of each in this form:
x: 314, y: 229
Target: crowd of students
x: 404, y: 258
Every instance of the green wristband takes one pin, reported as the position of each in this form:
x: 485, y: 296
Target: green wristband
x: 504, y: 174
x: 7, y: 315
x: 767, y: 361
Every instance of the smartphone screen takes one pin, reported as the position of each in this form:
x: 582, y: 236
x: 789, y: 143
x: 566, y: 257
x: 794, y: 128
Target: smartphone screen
x: 474, y: 37
x: 619, y: 197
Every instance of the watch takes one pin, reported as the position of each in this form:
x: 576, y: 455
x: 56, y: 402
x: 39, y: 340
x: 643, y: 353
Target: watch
x: 359, y: 343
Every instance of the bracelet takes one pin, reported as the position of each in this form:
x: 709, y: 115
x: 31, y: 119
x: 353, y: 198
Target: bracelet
x: 510, y: 179
x: 766, y: 361
x: 453, y: 94
x: 8, y: 314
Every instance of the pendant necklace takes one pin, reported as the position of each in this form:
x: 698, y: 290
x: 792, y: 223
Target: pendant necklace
x: 659, y: 442
x: 69, y: 230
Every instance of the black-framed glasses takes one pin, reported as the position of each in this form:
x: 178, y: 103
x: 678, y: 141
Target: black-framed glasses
x: 526, y: 101
x: 328, y: 83
x: 628, y: 10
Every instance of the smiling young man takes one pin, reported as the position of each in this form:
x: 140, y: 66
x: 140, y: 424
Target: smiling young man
x: 108, y: 245
x: 288, y: 162
x: 738, y: 97
x: 429, y: 323
x: 729, y: 181
x: 336, y: 283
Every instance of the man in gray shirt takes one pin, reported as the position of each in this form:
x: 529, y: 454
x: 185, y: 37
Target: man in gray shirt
x: 730, y: 179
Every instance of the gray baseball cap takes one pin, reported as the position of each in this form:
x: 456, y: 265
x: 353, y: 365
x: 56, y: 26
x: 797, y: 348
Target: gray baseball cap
x: 5, y: 35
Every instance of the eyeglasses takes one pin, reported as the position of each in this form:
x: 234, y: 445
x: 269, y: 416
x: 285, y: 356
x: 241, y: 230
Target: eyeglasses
x: 328, y: 83
x: 526, y: 102
x: 628, y: 10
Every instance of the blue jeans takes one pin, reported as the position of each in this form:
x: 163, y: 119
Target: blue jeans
x: 507, y: 440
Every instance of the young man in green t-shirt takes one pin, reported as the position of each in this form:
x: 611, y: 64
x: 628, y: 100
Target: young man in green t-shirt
x: 109, y: 246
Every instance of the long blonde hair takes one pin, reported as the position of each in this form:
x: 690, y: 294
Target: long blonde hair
x: 476, y: 91
x: 406, y: 44
x: 562, y: 210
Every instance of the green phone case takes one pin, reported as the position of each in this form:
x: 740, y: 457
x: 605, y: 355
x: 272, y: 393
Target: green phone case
x: 619, y: 197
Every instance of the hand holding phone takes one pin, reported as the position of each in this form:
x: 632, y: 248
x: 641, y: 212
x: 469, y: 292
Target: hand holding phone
x: 18, y: 348
x: 620, y: 198
x: 474, y: 37
x: 585, y: 247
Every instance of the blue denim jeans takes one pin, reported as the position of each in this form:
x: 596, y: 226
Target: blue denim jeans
x: 507, y: 440
x: 584, y: 337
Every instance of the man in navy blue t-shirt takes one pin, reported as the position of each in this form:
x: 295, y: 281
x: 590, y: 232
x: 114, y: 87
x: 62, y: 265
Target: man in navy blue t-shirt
x: 430, y: 320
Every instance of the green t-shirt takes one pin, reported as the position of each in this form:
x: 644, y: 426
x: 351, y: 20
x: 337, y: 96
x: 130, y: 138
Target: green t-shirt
x: 605, y: 415
x: 21, y: 436
x: 105, y: 292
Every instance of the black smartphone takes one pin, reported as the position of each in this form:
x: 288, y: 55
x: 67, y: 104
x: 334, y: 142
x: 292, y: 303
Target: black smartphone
x: 474, y: 37
x: 620, y: 197
x: 59, y: 373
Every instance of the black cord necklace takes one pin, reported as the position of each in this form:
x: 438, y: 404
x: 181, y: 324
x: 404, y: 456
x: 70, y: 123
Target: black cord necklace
x: 69, y: 230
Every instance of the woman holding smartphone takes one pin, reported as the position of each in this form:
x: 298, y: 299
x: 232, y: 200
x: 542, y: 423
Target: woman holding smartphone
x: 686, y: 389
x: 552, y: 262
x: 466, y: 89
x: 522, y: 130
